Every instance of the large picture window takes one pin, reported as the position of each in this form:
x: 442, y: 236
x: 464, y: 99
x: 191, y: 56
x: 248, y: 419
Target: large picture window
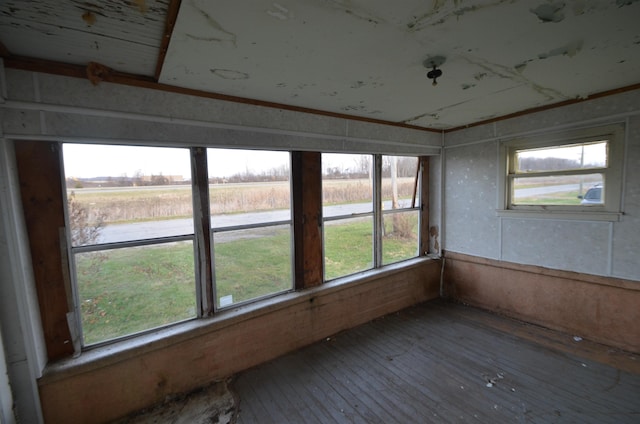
x: 160, y: 235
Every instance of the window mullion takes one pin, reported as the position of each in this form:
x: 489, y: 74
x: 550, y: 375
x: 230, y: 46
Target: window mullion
x: 377, y: 211
x: 202, y: 231
x: 585, y: 171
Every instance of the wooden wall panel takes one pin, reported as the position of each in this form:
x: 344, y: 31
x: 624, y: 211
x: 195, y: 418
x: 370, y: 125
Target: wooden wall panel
x: 40, y: 175
x: 307, y: 215
x: 105, y: 391
x: 600, y: 309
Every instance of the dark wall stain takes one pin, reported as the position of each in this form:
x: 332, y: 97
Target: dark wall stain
x: 622, y: 3
x: 570, y: 50
x: 550, y: 12
x: 224, y: 35
x: 480, y: 75
x: 229, y: 74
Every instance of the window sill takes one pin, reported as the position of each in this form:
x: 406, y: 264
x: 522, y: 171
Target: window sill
x: 108, y: 354
x: 560, y: 215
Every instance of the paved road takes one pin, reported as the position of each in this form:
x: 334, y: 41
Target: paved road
x: 175, y: 227
x: 535, y: 191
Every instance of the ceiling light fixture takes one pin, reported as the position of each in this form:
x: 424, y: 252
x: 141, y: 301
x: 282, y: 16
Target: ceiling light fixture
x: 434, y: 62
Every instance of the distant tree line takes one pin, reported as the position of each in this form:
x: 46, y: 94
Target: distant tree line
x: 406, y: 167
x: 547, y: 164
x: 137, y: 180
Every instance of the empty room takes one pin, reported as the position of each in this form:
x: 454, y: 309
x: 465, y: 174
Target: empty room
x: 319, y: 211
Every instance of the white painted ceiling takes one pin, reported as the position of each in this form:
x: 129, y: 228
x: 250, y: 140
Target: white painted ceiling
x: 357, y: 57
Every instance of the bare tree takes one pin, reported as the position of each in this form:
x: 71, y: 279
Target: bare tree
x: 84, y: 230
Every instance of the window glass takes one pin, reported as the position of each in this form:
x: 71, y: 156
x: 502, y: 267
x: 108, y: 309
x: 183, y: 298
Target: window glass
x: 127, y: 192
x: 129, y: 195
x: 555, y: 189
x: 578, y: 156
x: 252, y: 263
x: 572, y: 171
x: 250, y: 204
x: 400, y: 188
x: 348, y: 246
x: 124, y: 291
x: 398, y: 181
x: 400, y: 236
x: 347, y: 184
x: 347, y: 190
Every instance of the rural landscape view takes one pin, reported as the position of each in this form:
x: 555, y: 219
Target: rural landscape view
x: 127, y: 289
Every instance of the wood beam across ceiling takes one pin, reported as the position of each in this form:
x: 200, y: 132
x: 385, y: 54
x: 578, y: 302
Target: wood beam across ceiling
x: 122, y: 78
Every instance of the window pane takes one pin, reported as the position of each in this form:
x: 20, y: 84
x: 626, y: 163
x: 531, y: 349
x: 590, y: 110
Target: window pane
x: 348, y: 246
x: 400, y: 237
x: 556, y: 190
x: 252, y: 263
x: 122, y: 193
x: 398, y: 181
x: 248, y: 186
x: 128, y: 290
x: 346, y: 184
x: 577, y: 156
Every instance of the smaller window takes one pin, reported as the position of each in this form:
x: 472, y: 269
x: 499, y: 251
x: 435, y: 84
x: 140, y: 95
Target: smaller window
x: 579, y: 171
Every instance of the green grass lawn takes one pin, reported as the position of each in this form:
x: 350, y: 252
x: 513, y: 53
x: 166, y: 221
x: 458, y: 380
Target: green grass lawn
x: 560, y: 198
x: 128, y: 290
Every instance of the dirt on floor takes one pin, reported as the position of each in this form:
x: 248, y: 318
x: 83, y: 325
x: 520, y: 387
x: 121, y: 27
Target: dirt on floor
x: 213, y: 404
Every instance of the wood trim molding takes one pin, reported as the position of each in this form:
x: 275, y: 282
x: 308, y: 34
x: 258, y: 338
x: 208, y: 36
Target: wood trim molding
x: 547, y: 107
x: 538, y: 270
x: 116, y: 77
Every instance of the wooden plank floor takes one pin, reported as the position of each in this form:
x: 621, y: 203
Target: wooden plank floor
x: 440, y: 362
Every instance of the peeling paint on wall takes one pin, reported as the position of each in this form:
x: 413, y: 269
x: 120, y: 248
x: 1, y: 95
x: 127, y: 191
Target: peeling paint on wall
x: 280, y: 12
x: 514, y: 75
x: 359, y: 13
x: 435, y: 17
x: 569, y: 50
x: 550, y: 12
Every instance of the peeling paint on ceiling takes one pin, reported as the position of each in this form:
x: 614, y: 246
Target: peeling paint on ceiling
x: 363, y: 58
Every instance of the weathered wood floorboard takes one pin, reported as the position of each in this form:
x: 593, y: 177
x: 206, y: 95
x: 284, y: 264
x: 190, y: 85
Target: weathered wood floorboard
x: 442, y: 362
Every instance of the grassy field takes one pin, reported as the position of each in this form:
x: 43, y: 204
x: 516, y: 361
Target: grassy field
x: 127, y: 290
x: 132, y: 204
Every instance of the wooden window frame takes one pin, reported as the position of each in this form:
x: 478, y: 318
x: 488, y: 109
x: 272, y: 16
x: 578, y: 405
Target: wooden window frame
x: 610, y: 210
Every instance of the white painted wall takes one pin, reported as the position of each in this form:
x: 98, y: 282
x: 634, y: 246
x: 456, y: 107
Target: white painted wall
x: 6, y: 397
x: 471, y: 196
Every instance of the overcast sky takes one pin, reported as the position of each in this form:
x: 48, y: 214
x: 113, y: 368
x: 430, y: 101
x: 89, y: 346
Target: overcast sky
x: 92, y: 160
